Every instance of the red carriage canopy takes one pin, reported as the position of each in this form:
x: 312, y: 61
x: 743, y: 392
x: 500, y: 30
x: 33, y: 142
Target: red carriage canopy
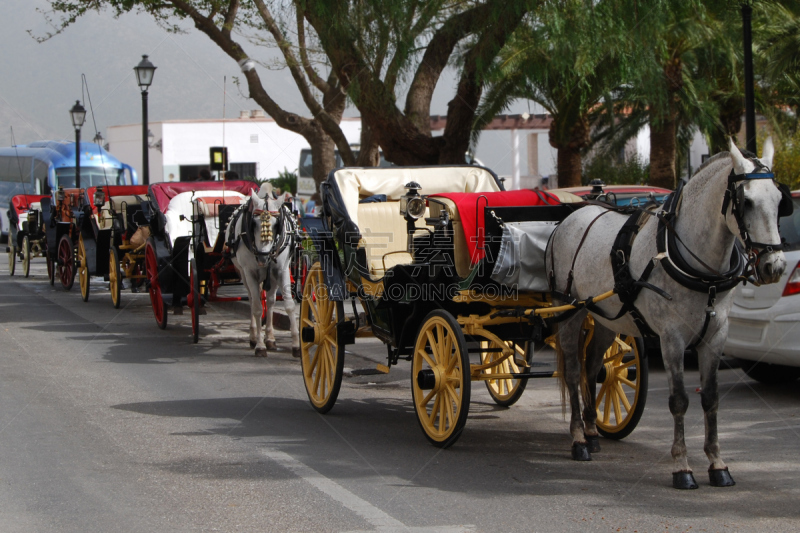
x: 470, y: 205
x: 163, y: 192
x: 22, y: 202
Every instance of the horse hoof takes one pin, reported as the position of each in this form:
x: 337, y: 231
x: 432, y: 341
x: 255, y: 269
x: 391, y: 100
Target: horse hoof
x: 271, y: 345
x: 580, y: 452
x: 261, y: 352
x: 253, y: 344
x: 720, y: 477
x: 683, y: 481
x: 594, y: 443
x: 296, y: 352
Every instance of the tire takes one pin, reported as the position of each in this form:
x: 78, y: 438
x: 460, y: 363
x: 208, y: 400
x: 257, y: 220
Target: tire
x: 65, y: 264
x: 156, y: 298
x: 321, y: 359
x: 194, y: 300
x: 771, y: 374
x: 440, y: 376
x: 83, y: 270
x: 114, y: 277
x: 623, y: 388
x: 505, y: 392
x: 12, y: 257
x: 26, y: 256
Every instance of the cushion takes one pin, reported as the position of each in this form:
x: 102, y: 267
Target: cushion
x: 384, y: 233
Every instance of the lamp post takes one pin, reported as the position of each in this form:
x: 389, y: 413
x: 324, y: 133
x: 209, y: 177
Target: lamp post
x: 749, y: 101
x: 144, y: 77
x: 78, y: 114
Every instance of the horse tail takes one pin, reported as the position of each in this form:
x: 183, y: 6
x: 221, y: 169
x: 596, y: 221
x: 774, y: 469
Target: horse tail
x: 561, y: 369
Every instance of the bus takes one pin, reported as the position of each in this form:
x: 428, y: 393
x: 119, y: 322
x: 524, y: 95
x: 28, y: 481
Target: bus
x: 42, y: 166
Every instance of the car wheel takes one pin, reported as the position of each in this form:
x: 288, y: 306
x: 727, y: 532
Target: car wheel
x: 771, y: 374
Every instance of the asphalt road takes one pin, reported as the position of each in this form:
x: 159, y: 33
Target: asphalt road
x: 109, y: 424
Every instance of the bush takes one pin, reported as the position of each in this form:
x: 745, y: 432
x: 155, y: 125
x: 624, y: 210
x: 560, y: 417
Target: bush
x: 786, y: 163
x: 633, y: 171
x: 286, y: 180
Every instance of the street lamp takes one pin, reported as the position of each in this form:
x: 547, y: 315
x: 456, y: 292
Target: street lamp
x: 749, y: 100
x: 78, y: 114
x: 144, y: 77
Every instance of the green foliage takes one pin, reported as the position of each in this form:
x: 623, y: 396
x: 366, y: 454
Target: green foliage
x: 632, y: 171
x: 286, y: 181
x: 786, y: 163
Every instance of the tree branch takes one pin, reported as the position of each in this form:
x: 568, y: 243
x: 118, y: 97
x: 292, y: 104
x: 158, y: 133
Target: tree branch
x: 315, y: 78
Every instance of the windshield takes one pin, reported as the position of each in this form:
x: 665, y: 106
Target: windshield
x: 790, y: 227
x: 92, y: 177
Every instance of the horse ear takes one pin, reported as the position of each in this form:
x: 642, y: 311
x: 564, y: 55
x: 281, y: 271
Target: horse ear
x: 254, y: 201
x: 739, y: 161
x: 768, y: 152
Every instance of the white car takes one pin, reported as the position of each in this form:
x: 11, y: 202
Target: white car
x: 764, y: 330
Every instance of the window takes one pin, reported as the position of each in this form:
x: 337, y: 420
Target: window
x: 244, y: 170
x: 91, y: 177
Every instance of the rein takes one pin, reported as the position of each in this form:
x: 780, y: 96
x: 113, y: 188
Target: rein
x: 286, y: 231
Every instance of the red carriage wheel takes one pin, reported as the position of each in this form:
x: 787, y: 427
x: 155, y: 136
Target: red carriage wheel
x: 156, y: 299
x: 65, y: 268
x: 263, y: 308
x: 194, y: 300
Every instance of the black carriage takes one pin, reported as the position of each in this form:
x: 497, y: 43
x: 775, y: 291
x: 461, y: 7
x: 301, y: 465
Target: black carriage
x: 63, y: 219
x: 185, y: 262
x: 26, y: 237
x: 111, y: 241
x: 420, y: 249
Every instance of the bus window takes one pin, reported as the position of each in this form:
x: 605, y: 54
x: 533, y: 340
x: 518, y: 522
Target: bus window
x: 92, y: 177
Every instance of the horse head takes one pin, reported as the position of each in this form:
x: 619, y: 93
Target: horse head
x: 262, y: 227
x: 756, y: 204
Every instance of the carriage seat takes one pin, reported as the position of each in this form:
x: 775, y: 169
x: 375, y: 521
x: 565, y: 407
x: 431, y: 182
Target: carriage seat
x: 384, y: 236
x: 184, y: 204
x: 105, y: 220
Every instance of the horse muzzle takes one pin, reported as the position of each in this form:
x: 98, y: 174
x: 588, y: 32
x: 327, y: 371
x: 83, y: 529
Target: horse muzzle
x: 771, y: 267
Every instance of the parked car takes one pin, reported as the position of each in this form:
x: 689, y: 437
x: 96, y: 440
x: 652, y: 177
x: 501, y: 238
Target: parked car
x: 621, y: 195
x: 764, y: 330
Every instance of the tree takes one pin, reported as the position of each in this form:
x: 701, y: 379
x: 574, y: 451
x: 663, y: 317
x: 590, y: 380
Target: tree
x: 566, y: 60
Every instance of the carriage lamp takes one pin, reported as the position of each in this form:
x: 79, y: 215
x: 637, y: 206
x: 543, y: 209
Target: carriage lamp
x: 412, y: 205
x: 99, y: 197
x: 33, y: 218
x: 60, y: 194
x: 597, y: 187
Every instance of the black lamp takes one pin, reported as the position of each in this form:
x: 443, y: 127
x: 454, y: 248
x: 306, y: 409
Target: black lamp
x: 78, y: 114
x: 144, y: 77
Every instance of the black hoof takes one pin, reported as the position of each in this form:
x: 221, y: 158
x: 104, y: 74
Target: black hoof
x: 594, y: 443
x: 271, y: 345
x: 261, y: 352
x: 296, y: 352
x: 683, y: 481
x: 580, y: 452
x: 252, y: 344
x: 720, y: 478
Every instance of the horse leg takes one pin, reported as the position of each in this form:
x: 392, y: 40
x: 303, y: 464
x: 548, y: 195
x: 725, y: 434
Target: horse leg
x: 672, y: 350
x: 290, y: 306
x: 269, y: 333
x: 254, y: 292
x: 708, y: 358
x: 595, y: 353
x: 569, y: 338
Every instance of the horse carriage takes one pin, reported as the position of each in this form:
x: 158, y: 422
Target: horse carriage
x: 112, y: 214
x: 185, y: 263
x: 26, y: 238
x: 449, y: 271
x: 63, y: 221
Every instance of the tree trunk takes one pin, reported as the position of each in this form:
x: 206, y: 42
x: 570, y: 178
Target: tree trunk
x: 369, y: 156
x: 323, y: 155
x: 662, y: 153
x: 569, y: 166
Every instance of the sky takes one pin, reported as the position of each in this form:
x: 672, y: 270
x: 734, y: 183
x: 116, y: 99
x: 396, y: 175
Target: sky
x: 41, y: 81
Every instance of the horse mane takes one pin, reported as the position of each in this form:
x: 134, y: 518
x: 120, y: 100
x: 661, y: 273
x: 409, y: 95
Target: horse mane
x: 710, y: 160
x: 701, y: 177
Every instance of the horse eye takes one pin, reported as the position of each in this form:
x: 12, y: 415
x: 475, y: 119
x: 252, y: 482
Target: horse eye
x: 748, y: 203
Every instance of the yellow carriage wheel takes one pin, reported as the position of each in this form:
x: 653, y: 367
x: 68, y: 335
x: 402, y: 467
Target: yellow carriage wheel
x: 83, y: 269
x: 440, y: 379
x: 322, y: 355
x: 622, y: 391
x: 114, y: 277
x: 504, y: 391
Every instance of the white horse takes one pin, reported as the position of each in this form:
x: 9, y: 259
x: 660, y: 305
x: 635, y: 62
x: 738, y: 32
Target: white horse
x: 261, y: 235
x: 730, y: 198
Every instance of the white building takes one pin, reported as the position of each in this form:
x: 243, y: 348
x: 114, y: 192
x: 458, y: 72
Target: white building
x: 179, y: 149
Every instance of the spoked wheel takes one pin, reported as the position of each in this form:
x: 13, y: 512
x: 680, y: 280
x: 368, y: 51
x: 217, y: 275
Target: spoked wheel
x: 114, y: 277
x: 194, y: 300
x: 623, y: 390
x: 156, y: 299
x: 26, y: 256
x: 322, y: 356
x: 440, y: 380
x: 83, y: 269
x: 65, y: 268
x: 12, y: 257
x: 505, y: 391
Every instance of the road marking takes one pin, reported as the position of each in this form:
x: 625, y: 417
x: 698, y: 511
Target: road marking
x: 380, y: 520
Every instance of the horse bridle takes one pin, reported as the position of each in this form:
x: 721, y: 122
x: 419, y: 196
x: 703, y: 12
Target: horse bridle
x: 734, y: 196
x: 284, y: 218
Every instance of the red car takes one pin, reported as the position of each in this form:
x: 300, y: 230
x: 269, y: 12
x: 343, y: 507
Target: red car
x: 621, y: 195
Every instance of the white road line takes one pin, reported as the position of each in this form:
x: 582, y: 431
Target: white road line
x: 377, y: 518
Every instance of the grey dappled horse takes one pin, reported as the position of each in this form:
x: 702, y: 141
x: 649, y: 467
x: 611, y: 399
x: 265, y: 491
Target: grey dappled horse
x: 704, y: 237
x: 261, y: 235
